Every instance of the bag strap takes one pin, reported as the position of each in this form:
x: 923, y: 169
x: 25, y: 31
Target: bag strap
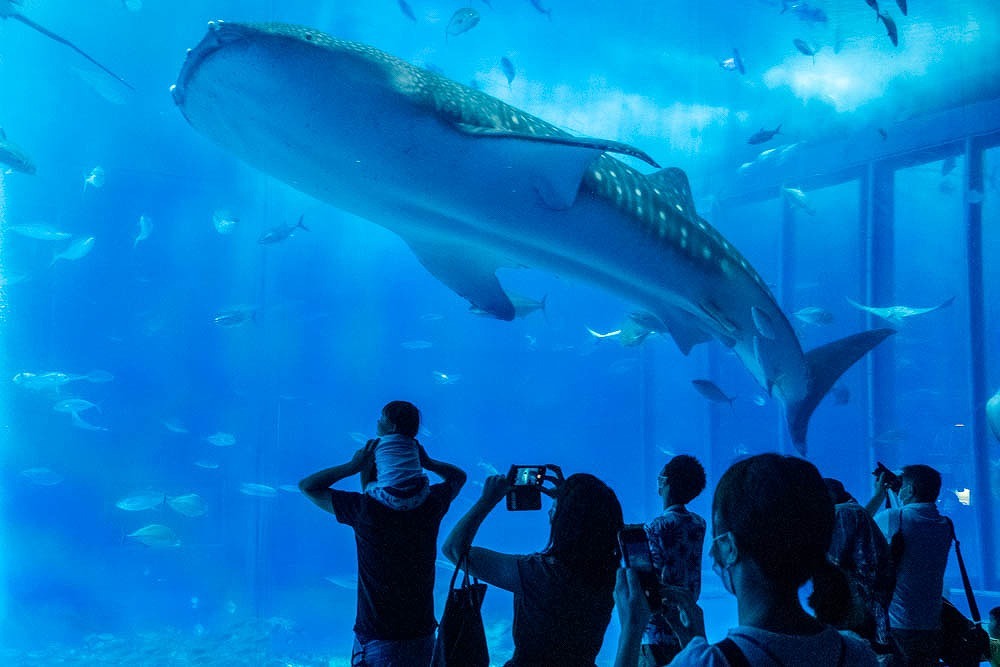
x: 973, y: 607
x: 732, y: 653
x: 462, y: 564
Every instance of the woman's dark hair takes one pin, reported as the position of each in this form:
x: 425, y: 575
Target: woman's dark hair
x: 404, y: 416
x: 585, y: 527
x: 686, y: 477
x: 838, y: 494
x: 781, y: 516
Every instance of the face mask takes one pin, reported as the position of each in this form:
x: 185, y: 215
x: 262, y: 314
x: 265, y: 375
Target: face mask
x: 724, y: 572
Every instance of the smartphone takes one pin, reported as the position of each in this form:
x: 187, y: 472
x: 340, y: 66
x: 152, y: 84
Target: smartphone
x: 526, y: 487
x: 637, y: 556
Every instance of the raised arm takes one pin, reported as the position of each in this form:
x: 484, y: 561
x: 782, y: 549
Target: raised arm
x: 452, y: 474
x: 875, y: 504
x: 316, y: 486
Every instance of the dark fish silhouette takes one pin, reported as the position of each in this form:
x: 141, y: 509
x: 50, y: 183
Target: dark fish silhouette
x: 902, y: 6
x: 538, y: 5
x: 711, y: 391
x: 463, y: 20
x: 804, y: 11
x: 8, y: 11
x: 762, y: 135
x: 890, y: 27
x: 508, y: 70
x: 404, y: 7
x: 804, y: 48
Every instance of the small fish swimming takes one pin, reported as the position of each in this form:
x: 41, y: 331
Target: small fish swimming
x: 39, y: 231
x: 804, y: 11
x: 8, y: 11
x: 235, y: 317
x: 873, y: 4
x: 53, y: 380
x: 221, y: 439
x: 805, y: 48
x: 599, y: 335
x: 902, y: 6
x: 281, y: 232
x: 796, y: 198
x: 258, y: 490
x: 814, y: 315
x: 224, y: 221
x: 155, y: 535
x: 445, y: 378
x: 190, y: 504
x: 145, y: 229
x: 890, y: 27
x: 463, y: 20
x: 76, y: 250
x: 896, y: 314
x: 12, y: 155
x: 174, y: 426
x: 404, y: 7
x: 42, y: 476
x: 206, y: 465
x: 733, y: 64
x: 79, y: 422
x: 95, y: 177
x: 711, y: 391
x: 74, y: 405
x: 761, y: 136
x: 416, y: 345
x: 141, y: 502
x: 508, y: 70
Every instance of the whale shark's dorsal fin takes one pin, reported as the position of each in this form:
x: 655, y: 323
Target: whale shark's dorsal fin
x: 603, y: 145
x: 675, y: 182
x: 470, y: 273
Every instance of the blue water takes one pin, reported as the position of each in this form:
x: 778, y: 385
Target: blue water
x: 344, y: 318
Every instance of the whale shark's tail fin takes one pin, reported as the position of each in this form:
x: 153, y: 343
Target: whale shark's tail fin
x: 826, y: 364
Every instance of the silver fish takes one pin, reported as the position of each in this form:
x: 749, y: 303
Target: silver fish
x: 11, y: 154
x: 235, y: 317
x: 76, y: 250
x: 140, y: 502
x: 190, y: 504
x: 221, y: 439
x: 155, y: 535
x: 145, y: 229
x: 42, y: 476
x: 74, y: 405
x: 463, y: 20
x: 281, y: 232
x: 711, y: 391
x: 258, y: 490
x: 39, y: 231
x: 95, y: 178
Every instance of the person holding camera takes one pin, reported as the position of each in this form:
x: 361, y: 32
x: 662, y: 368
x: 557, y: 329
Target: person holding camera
x: 396, y: 529
x: 563, y: 595
x: 676, y: 538
x: 919, y: 540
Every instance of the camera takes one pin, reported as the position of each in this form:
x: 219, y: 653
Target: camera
x: 636, y: 555
x: 892, y: 480
x: 526, y: 487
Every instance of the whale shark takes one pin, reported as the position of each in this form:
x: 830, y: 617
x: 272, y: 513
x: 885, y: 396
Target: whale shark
x: 473, y: 184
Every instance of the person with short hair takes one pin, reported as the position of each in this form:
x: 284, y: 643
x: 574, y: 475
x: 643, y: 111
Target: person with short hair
x: 564, y: 594
x: 396, y: 543
x: 401, y: 483
x: 676, y: 539
x: 919, y: 540
x: 772, y: 521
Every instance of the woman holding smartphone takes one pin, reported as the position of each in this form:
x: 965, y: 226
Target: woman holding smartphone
x: 563, y: 595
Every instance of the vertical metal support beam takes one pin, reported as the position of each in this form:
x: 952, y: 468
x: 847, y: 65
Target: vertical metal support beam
x: 786, y: 294
x: 977, y: 368
x: 647, y: 425
x: 878, y: 283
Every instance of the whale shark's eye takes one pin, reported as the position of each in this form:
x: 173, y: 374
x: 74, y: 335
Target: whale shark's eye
x: 309, y: 36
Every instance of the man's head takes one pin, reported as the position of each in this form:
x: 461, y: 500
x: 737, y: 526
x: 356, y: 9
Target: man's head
x: 400, y: 417
x: 920, y: 484
x: 994, y: 625
x: 681, y: 480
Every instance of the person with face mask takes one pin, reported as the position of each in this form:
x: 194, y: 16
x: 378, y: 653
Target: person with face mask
x: 772, y: 522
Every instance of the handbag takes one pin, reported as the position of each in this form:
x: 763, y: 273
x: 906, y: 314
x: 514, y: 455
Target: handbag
x: 964, y: 643
x: 461, y: 639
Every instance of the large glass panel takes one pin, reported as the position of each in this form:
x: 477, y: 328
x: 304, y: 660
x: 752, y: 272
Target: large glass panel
x: 991, y: 365
x: 931, y: 378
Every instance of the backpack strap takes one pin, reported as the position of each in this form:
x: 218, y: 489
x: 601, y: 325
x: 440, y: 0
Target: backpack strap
x: 732, y: 653
x: 973, y: 607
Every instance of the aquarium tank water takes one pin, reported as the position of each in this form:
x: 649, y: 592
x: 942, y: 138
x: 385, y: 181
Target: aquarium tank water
x: 581, y: 233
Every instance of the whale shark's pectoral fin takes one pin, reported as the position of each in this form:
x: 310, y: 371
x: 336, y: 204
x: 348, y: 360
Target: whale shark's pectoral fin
x: 468, y: 272
x: 683, y: 328
x: 602, y: 145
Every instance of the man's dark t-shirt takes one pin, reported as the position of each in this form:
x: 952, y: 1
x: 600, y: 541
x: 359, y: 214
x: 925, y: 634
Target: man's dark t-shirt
x: 396, y: 554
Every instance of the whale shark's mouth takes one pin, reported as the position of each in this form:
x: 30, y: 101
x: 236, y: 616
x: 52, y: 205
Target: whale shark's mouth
x: 219, y: 34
